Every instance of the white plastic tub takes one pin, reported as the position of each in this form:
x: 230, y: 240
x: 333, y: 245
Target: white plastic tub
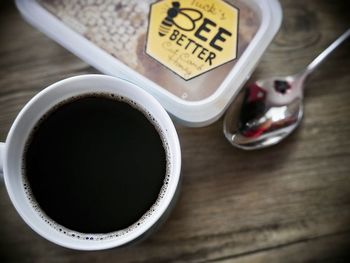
x: 93, y: 30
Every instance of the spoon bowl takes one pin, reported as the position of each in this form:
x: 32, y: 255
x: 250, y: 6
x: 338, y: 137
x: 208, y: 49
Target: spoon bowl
x: 270, y: 110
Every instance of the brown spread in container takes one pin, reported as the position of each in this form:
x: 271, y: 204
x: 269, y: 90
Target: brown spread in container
x: 120, y: 28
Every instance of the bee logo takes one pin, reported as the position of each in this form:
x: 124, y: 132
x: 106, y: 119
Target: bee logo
x: 183, y: 18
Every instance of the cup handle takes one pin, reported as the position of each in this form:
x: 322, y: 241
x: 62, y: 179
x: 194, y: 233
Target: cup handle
x: 2, y: 153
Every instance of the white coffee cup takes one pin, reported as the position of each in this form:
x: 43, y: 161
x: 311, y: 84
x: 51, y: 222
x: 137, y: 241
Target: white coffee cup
x: 11, y: 156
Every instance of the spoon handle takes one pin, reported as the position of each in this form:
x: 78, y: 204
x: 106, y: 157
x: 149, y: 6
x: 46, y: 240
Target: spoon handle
x: 321, y: 57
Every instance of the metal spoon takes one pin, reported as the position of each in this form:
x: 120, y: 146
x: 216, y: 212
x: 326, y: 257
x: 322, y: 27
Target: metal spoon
x: 272, y: 108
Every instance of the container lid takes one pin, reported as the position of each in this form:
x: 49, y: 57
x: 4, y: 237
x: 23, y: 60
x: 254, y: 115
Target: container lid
x: 193, y: 56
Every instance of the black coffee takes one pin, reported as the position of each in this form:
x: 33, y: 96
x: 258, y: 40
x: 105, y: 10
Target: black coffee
x: 95, y: 164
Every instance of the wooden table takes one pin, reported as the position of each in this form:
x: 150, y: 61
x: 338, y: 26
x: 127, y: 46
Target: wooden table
x: 289, y: 203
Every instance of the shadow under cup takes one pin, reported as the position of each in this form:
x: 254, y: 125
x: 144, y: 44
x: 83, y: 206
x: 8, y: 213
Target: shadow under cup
x: 22, y: 129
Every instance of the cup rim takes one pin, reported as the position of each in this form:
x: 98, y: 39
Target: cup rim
x: 166, y: 200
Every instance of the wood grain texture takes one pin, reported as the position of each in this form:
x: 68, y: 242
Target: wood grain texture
x: 289, y: 203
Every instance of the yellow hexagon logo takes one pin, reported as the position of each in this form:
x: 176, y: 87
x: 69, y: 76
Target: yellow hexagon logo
x: 191, y: 37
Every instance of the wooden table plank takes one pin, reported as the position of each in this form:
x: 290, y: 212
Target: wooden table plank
x: 289, y: 203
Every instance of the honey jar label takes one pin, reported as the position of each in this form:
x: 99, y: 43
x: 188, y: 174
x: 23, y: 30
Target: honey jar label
x: 191, y: 37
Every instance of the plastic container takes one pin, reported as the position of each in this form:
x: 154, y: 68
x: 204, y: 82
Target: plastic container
x: 112, y: 36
